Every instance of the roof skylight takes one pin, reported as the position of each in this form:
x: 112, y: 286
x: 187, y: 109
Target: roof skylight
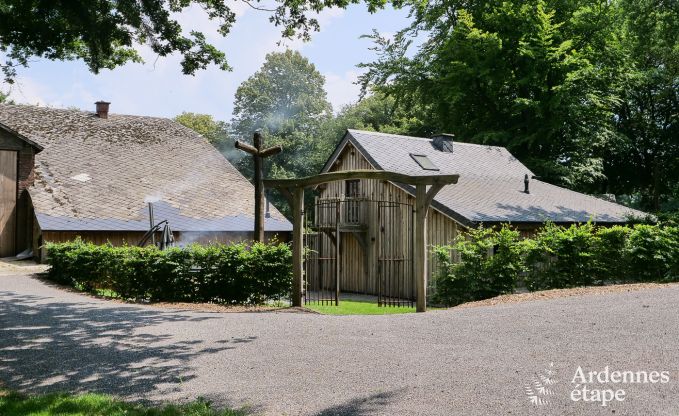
x: 424, y: 162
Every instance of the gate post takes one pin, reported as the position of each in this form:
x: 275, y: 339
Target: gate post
x: 297, y: 245
x: 420, y: 249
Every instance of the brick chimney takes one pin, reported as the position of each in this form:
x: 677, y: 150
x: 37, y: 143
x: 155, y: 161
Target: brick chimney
x: 102, y: 109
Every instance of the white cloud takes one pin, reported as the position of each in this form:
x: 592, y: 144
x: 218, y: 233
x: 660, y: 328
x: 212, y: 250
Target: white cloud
x: 342, y: 89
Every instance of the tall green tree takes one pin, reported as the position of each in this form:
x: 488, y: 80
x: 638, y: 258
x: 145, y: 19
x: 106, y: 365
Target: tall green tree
x: 531, y: 76
x: 287, y: 101
x: 644, y: 160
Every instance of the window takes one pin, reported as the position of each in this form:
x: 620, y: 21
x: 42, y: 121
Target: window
x: 351, y: 188
x: 424, y: 162
x: 351, y: 192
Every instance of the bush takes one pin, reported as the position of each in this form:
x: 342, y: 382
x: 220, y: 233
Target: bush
x: 556, y: 257
x: 562, y: 257
x: 490, y: 263
x: 651, y: 253
x: 235, y: 273
x: 609, y: 253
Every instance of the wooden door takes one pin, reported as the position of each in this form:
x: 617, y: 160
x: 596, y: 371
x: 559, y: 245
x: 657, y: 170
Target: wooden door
x: 8, y: 199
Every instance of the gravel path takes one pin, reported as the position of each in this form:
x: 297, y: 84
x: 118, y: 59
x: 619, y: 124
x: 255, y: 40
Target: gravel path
x: 471, y: 361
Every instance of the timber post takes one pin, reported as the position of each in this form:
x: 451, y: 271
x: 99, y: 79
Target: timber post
x: 420, y: 249
x: 297, y: 245
x: 258, y: 154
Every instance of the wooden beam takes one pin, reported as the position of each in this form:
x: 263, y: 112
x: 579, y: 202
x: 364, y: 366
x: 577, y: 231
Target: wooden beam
x: 362, y: 174
x: 297, y: 246
x: 246, y: 147
x: 271, y: 151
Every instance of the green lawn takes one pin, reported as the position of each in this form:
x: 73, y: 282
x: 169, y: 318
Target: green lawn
x: 356, y: 307
x: 62, y: 404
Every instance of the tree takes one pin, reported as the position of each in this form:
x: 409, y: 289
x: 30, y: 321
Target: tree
x: 214, y: 131
x: 377, y: 112
x: 644, y: 161
x: 286, y: 99
x: 4, y: 98
x: 529, y: 76
x: 106, y: 33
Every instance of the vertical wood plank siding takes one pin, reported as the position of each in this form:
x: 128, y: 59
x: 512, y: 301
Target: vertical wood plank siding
x: 360, y: 267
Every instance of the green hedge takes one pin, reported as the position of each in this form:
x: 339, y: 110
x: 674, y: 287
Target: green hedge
x: 231, y: 274
x: 488, y: 262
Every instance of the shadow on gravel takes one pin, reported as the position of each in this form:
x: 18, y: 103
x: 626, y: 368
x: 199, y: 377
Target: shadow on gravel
x: 362, y: 406
x: 47, y: 346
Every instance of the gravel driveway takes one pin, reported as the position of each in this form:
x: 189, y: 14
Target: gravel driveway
x: 474, y: 361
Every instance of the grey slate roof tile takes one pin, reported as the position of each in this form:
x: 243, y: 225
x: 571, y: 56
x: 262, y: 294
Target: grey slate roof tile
x: 99, y: 174
x: 490, y: 188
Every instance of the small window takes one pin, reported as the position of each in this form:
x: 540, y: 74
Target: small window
x: 352, y: 190
x: 424, y: 162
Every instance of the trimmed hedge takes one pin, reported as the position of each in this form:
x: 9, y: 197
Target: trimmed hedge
x: 230, y: 274
x: 494, y: 261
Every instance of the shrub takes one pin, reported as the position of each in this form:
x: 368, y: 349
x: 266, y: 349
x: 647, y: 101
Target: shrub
x: 562, y: 257
x: 651, y: 253
x: 490, y: 264
x: 235, y: 273
x: 609, y: 253
x: 556, y: 257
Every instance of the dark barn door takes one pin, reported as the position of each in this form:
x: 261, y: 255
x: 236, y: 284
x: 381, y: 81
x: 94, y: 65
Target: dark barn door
x: 8, y: 195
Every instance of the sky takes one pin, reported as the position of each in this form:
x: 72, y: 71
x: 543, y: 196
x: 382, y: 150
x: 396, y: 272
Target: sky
x: 158, y: 88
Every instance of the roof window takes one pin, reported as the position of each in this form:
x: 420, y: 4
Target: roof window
x: 424, y: 162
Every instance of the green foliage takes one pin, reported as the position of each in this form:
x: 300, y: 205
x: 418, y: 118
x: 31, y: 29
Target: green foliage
x: 230, y: 274
x: 489, y: 264
x: 562, y: 257
x: 107, y: 33
x: 652, y: 253
x: 584, y: 92
x: 285, y: 99
x: 216, y: 132
x: 62, y: 404
x: 555, y: 257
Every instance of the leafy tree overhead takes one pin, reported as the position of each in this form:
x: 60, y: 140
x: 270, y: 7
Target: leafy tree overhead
x: 106, y: 33
x: 516, y: 74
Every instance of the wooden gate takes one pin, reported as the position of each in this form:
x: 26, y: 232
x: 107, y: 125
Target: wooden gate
x: 8, y: 195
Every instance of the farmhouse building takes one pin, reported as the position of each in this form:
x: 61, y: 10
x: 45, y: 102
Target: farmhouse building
x: 69, y: 173
x: 373, y: 219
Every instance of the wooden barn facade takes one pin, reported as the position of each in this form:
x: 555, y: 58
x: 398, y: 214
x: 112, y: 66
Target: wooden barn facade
x: 374, y: 218
x: 69, y: 173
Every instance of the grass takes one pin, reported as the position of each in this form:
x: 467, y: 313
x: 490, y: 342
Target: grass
x: 63, y: 404
x: 356, y: 307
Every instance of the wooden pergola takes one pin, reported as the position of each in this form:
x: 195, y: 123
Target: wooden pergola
x: 426, y: 188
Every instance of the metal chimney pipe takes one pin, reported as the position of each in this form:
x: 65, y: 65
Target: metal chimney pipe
x: 152, y: 223
x: 526, y: 184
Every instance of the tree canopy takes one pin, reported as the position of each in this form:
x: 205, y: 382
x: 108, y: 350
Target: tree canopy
x: 582, y: 91
x: 107, y: 33
x: 286, y: 100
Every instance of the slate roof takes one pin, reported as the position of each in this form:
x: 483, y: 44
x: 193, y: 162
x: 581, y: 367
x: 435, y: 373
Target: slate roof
x: 98, y: 174
x: 491, y: 184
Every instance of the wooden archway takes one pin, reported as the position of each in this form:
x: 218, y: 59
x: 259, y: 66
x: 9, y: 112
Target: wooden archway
x: 426, y: 188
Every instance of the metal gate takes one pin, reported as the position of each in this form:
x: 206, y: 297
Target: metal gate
x: 385, y: 232
x: 321, y: 254
x: 396, y: 284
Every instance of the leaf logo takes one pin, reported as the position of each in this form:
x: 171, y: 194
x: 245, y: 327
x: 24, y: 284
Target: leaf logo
x: 539, y: 387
